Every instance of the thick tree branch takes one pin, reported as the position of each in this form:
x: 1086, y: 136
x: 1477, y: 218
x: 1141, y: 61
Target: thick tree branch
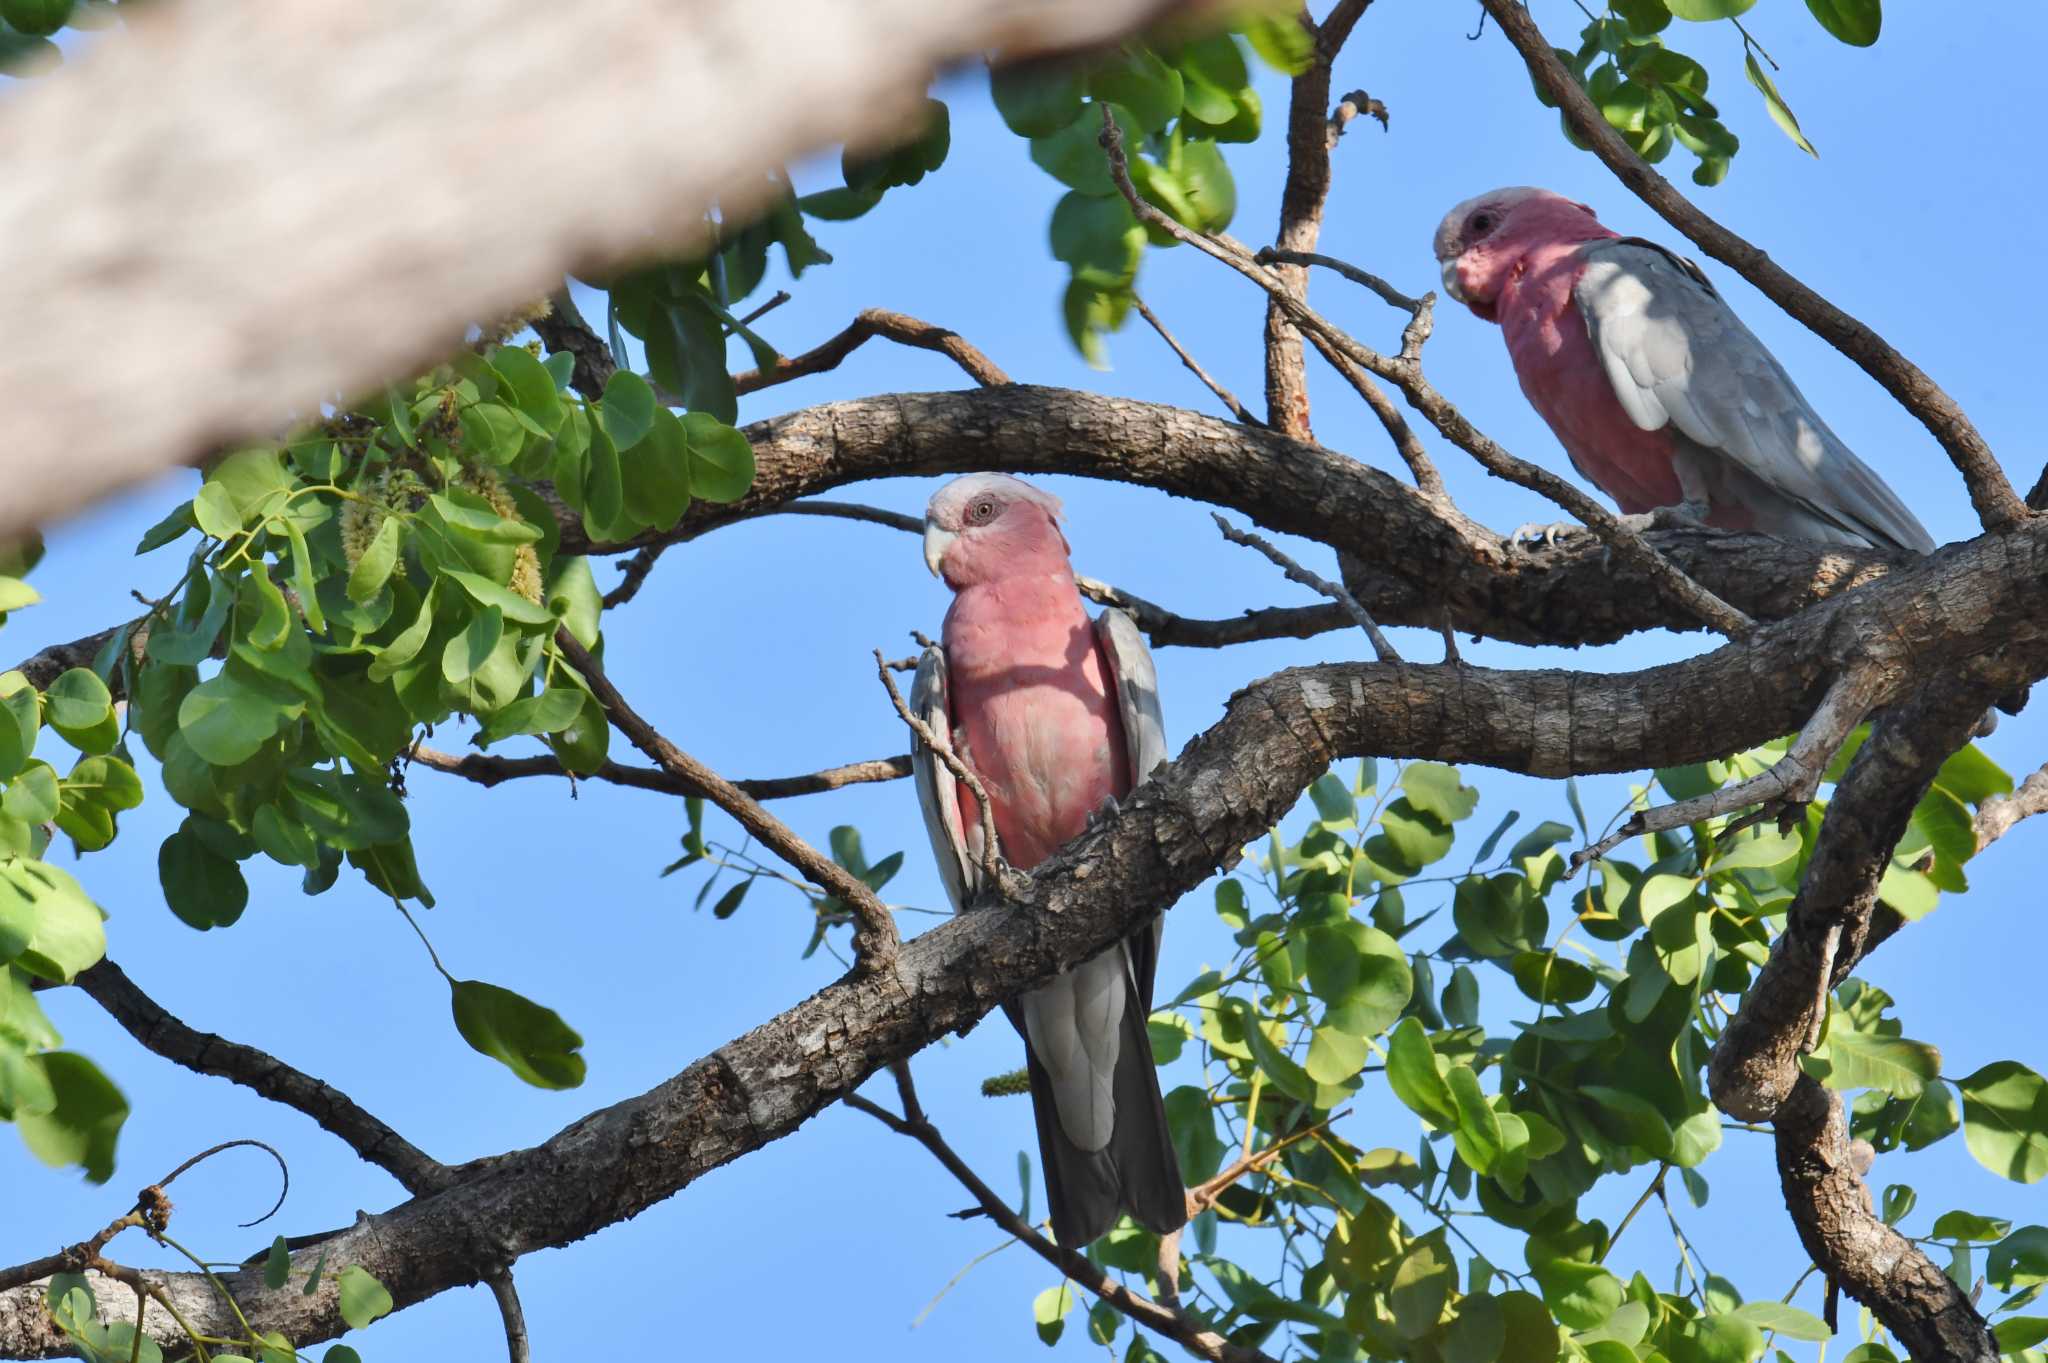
x: 1991, y: 492
x: 205, y: 1053
x: 874, y: 935
x: 869, y: 324
x: 487, y: 769
x: 164, y: 319
x: 1967, y: 609
x: 1176, y: 1325
x: 564, y: 330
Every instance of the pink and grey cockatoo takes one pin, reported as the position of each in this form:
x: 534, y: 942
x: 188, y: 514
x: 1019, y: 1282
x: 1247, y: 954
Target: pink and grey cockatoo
x: 1058, y: 716
x: 1655, y: 388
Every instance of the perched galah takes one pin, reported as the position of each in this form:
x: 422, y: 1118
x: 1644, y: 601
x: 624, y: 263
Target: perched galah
x: 1058, y: 716
x: 1655, y: 388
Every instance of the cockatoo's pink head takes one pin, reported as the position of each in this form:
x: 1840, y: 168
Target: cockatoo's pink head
x: 1483, y: 241
x: 987, y: 526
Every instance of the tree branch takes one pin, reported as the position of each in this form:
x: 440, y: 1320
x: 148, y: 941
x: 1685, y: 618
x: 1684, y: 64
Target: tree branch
x: 874, y: 938
x: 159, y: 325
x: 991, y: 847
x: 1997, y: 815
x: 1381, y: 647
x: 1998, y: 506
x: 205, y: 1053
x: 1969, y: 611
x: 488, y: 769
x: 873, y: 322
x: 518, y: 1348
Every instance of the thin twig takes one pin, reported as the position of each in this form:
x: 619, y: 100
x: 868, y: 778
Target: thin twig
x: 1201, y: 1198
x: 1383, y: 649
x: 853, y: 511
x: 874, y: 935
x: 780, y: 297
x: 633, y: 574
x: 1656, y: 1187
x: 488, y: 770
x: 1392, y: 296
x: 1406, y: 443
x: 283, y: 1169
x: 1790, y: 781
x: 991, y: 850
x: 1194, y: 366
x: 873, y: 322
x: 1997, y: 815
x: 1176, y: 1325
x: 518, y: 1349
x: 1405, y: 372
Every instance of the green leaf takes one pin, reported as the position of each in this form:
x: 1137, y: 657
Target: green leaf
x: 69, y: 929
x: 1855, y: 22
x: 1422, y: 1285
x: 515, y: 608
x: 1854, y: 1060
x: 229, y: 717
x: 530, y: 385
x: 379, y: 557
x: 1972, y: 777
x: 408, y: 643
x: 1436, y: 789
x: 1478, y: 1134
x: 38, y: 18
x: 33, y: 795
x: 1969, y: 1226
x: 1136, y: 78
x: 20, y: 722
x: 471, y: 649
x: 1074, y: 157
x: 2005, y: 1120
x: 1049, y: 1313
x: 77, y: 702
x: 604, y: 487
x: 1788, y: 1321
x: 721, y: 459
x: 1092, y: 312
x: 906, y: 162
x: 1282, y: 41
x: 204, y: 889
x: 1098, y: 236
x: 2015, y: 1333
x: 214, y: 511
x: 1412, y: 1073
x: 1780, y: 112
x: 189, y: 636
x: 531, y: 1041
x: 362, y: 1298
x: 1721, y: 1338
x: 84, y: 1125
x: 2019, y: 1260
x: 628, y: 409
x: 1549, y: 978
x: 838, y: 205
x: 1037, y: 98
x: 277, y: 1265
x: 1582, y: 1296
x: 1705, y: 11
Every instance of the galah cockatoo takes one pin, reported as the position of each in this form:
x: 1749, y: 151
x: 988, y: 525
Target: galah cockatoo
x: 1058, y: 716
x: 1655, y: 388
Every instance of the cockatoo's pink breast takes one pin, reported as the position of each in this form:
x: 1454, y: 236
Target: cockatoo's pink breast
x: 1032, y: 701
x: 1563, y: 379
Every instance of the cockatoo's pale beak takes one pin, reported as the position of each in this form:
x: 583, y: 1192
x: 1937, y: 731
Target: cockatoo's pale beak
x: 1451, y: 284
x: 936, y: 543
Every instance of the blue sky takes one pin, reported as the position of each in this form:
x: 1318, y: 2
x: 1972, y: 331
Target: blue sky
x: 751, y: 649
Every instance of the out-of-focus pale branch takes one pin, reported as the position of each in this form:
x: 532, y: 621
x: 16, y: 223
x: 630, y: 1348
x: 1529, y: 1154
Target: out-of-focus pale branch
x: 283, y: 202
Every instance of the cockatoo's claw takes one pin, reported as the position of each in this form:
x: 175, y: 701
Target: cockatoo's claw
x: 1100, y: 813
x: 1537, y: 535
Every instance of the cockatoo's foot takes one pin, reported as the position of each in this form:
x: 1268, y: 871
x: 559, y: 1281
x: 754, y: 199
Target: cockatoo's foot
x: 1098, y: 815
x: 1677, y: 516
x: 1537, y: 535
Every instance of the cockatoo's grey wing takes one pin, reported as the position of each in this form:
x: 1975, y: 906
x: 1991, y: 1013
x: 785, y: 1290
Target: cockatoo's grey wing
x: 1144, y: 723
x: 937, y: 791
x: 1676, y: 353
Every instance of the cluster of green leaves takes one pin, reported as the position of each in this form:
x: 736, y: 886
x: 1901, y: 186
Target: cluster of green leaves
x: 682, y: 311
x: 27, y: 26
x: 1619, y: 985
x: 1177, y: 106
x: 385, y: 571
x: 1656, y: 97
x: 360, y: 1298
x: 66, y: 1110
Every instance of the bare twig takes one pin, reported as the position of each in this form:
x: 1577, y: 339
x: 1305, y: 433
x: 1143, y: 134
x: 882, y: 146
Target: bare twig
x: 518, y: 1348
x: 488, y: 770
x: 1997, y: 815
x: 283, y: 1169
x: 1392, y: 296
x: 775, y: 301
x: 1406, y: 443
x: 1204, y: 1196
x: 854, y: 511
x: 72, y: 1258
x: 1165, y: 629
x: 871, y: 323
x: 1991, y: 493
x: 991, y: 850
x: 204, y: 1053
x: 1223, y: 395
x: 874, y: 936
x: 1405, y: 371
x: 633, y: 574
x: 1790, y: 781
x: 1176, y: 1325
x: 1295, y: 572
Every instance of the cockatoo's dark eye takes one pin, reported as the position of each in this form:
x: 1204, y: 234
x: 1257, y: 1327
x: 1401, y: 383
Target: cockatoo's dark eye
x: 981, y: 513
x: 1479, y: 225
